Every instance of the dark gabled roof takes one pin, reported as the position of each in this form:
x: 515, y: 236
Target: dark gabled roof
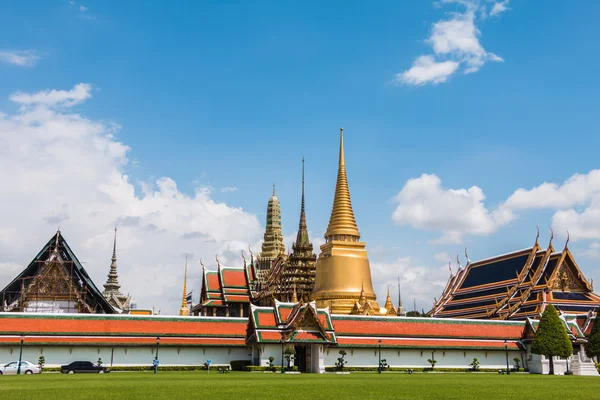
x: 79, y: 275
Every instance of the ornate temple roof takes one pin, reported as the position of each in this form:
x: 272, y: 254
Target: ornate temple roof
x: 517, y: 285
x: 55, y: 274
x: 227, y: 285
x: 290, y: 323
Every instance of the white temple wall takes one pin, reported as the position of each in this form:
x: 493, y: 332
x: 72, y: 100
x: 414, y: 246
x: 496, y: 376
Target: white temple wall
x: 410, y: 358
x: 56, y: 356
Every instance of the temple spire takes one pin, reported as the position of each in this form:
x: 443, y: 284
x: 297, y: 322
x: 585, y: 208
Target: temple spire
x: 302, y: 239
x: 112, y: 283
x: 342, y: 221
x: 273, y: 238
x: 184, y: 308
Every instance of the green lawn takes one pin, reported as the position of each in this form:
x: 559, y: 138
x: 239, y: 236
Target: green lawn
x: 259, y: 386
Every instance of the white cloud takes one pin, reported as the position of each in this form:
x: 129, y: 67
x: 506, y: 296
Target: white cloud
x: 577, y: 190
x: 426, y: 70
x: 456, y: 46
x: 228, y: 189
x: 499, y: 7
x: 83, y: 8
x: 24, y: 58
x: 442, y: 257
x: 424, y: 204
x: 593, y: 251
x: 57, y: 166
x: 54, y: 98
x: 418, y: 283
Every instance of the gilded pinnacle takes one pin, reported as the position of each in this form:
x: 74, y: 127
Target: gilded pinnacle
x: 342, y: 221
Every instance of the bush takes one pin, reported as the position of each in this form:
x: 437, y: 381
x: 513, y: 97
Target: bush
x: 271, y: 360
x: 569, y: 372
x: 597, y: 365
x: 340, y: 361
x: 41, y: 362
x: 238, y: 365
x: 474, y: 364
x: 517, y: 361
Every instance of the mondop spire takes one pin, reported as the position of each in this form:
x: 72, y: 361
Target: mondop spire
x: 273, y: 239
x: 111, y: 288
x: 343, y: 270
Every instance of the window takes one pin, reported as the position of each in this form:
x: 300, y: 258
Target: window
x: 11, y: 365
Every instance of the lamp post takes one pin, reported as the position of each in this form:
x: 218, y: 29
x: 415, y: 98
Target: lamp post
x: 282, y: 370
x: 379, y: 367
x: 20, y: 355
x: 156, y: 358
x: 506, y: 351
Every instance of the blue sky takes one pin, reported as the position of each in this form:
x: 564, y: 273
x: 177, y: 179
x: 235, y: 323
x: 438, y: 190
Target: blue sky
x: 234, y: 94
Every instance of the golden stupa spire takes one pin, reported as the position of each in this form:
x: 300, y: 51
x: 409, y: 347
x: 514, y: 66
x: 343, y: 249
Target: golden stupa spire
x: 184, y: 308
x: 342, y: 220
x: 388, y: 300
x: 294, y: 294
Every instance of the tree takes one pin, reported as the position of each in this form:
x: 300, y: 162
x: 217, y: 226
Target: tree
x: 271, y: 360
x: 99, y: 362
x: 474, y: 364
x: 383, y: 364
x: 592, y: 349
x: 551, y: 338
x: 340, y: 361
x: 290, y: 353
x: 413, y: 314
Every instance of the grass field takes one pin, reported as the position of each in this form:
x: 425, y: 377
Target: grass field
x: 239, y: 386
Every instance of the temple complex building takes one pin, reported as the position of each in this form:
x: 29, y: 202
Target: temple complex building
x: 55, y: 282
x: 120, y: 302
x: 343, y: 270
x: 292, y: 278
x: 517, y: 286
x: 273, y: 247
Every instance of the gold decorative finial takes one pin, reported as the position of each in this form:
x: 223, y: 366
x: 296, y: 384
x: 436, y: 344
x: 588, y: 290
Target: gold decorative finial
x: 567, y: 242
x: 467, y: 256
x: 342, y: 222
x: 184, y: 308
x: 551, y: 235
x: 201, y: 263
x: 538, y: 234
x: 294, y: 294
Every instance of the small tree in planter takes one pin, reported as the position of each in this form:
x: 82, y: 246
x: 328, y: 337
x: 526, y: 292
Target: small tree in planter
x: 517, y: 361
x: 432, y: 361
x: 290, y: 355
x: 340, y: 361
x: 41, y: 362
x: 474, y: 364
x: 384, y: 365
x: 551, y: 338
x: 99, y: 362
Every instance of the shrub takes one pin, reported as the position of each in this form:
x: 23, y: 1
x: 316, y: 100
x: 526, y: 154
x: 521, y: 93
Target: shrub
x: 474, y: 364
x: 290, y: 353
x: 592, y: 348
x: 271, y: 360
x: 569, y: 372
x: 238, y: 365
x: 383, y: 364
x: 432, y: 361
x: 597, y: 365
x: 340, y: 361
x: 99, y: 362
x: 517, y: 361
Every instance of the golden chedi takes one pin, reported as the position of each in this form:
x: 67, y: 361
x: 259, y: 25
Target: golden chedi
x: 343, y: 270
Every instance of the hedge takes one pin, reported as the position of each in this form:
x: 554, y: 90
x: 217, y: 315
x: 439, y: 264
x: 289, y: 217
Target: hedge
x: 253, y: 368
x: 402, y: 369
x: 144, y: 368
x: 238, y: 365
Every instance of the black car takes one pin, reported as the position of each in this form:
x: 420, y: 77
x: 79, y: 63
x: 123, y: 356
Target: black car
x: 83, y: 367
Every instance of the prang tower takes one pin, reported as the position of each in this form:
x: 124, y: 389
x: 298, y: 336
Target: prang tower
x: 272, y: 246
x: 343, y: 269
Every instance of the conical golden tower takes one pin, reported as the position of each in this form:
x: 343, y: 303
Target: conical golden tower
x: 343, y: 270
x: 184, y: 308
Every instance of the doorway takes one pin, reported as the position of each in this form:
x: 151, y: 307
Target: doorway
x: 300, y: 358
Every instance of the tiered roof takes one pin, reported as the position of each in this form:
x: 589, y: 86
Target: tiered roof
x: 369, y: 331
x: 228, y: 285
x: 517, y: 285
x: 290, y: 323
x: 124, y: 330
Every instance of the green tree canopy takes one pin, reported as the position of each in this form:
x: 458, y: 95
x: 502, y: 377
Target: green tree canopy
x: 592, y: 349
x: 551, y: 338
